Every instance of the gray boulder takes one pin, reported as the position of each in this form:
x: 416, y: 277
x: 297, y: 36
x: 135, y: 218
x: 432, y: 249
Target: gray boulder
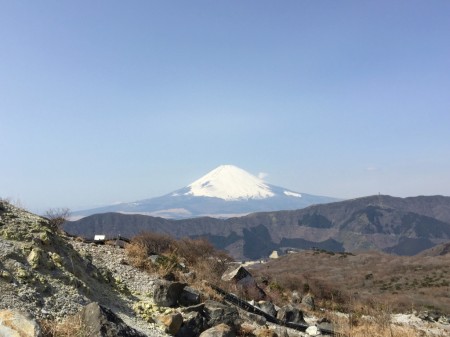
x: 99, y: 321
x: 193, y: 325
x: 189, y: 296
x: 308, y: 302
x: 289, y: 313
x: 244, y: 281
x: 295, y: 297
x: 325, y: 324
x: 236, y: 274
x: 268, y: 308
x: 167, y: 293
x: 217, y: 313
x: 254, y: 318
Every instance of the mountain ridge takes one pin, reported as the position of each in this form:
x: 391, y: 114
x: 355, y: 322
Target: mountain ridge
x: 403, y: 226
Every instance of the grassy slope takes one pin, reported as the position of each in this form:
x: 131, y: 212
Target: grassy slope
x: 403, y: 283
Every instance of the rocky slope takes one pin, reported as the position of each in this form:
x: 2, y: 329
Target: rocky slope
x: 49, y: 275
x: 52, y: 276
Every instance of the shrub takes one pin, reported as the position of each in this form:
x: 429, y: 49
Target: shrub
x: 57, y: 217
x: 198, y: 254
x: 154, y: 243
x: 71, y: 326
x: 193, y: 250
x: 138, y: 255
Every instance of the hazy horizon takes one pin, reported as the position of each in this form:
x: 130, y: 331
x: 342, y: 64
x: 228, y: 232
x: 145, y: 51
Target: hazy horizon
x: 115, y: 102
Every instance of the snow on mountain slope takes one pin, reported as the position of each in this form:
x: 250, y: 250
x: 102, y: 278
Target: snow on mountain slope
x: 229, y: 182
x: 292, y: 194
x: 223, y: 192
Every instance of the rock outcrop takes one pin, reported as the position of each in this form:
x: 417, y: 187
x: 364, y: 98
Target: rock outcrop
x: 14, y: 323
x: 291, y: 314
x: 171, y: 322
x: 244, y: 281
x: 189, y: 296
x: 268, y: 308
x: 217, y: 313
x: 168, y: 293
x: 51, y: 275
x: 98, y: 321
x: 42, y: 273
x: 308, y: 301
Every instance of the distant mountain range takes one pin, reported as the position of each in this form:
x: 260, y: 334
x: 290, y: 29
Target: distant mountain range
x: 226, y: 191
x: 404, y: 226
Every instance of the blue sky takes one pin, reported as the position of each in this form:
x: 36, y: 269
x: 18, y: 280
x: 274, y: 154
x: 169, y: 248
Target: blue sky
x: 106, y: 101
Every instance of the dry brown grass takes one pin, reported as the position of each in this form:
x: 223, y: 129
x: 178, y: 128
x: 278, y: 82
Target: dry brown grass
x: 154, y: 243
x: 372, y: 329
x: 137, y: 255
x: 371, y: 320
x: 336, y: 280
x: 71, y: 326
x: 200, y: 256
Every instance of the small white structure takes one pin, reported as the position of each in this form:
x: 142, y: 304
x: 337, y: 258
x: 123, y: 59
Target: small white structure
x: 274, y: 255
x: 99, y: 237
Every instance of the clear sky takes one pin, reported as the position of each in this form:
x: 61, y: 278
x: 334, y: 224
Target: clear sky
x: 107, y: 101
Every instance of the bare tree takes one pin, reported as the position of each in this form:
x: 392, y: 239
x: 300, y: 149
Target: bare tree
x: 57, y: 217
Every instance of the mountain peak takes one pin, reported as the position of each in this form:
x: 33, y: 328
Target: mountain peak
x: 230, y: 182
x: 223, y: 192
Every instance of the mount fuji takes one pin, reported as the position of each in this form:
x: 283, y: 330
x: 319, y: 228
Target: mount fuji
x: 224, y: 192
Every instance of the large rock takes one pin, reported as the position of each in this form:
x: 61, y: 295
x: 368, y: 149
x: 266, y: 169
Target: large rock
x: 167, y: 293
x: 295, y: 297
x: 193, y: 324
x: 17, y: 324
x: 217, y: 313
x: 171, y: 322
x: 189, y: 296
x: 99, y: 321
x: 325, y: 324
x: 236, y: 274
x: 289, y: 313
x: 313, y: 331
x: 254, y: 318
x: 308, y: 302
x: 221, y: 330
x: 268, y: 308
x: 245, y: 281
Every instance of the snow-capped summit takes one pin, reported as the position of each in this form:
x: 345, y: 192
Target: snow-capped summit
x: 223, y: 192
x: 229, y: 182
